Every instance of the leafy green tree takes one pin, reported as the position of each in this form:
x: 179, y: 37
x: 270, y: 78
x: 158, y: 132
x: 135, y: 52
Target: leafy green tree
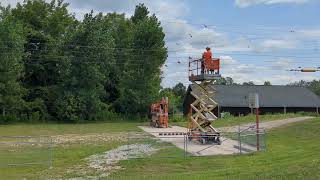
x: 179, y: 90
x: 267, y: 83
x: 45, y: 25
x: 121, y: 29
x: 11, y: 66
x: 300, y: 83
x: 312, y: 85
x: 225, y: 81
x: 249, y: 83
x: 140, y: 84
x: 91, y: 60
x: 315, y: 86
x: 76, y: 70
x: 141, y: 13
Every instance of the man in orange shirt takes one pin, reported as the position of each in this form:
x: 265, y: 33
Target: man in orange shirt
x: 206, y: 59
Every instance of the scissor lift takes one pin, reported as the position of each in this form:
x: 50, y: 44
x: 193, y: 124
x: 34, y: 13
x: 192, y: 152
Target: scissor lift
x: 201, y: 117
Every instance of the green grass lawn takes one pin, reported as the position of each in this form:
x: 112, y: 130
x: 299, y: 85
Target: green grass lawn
x: 65, y: 156
x: 292, y: 153
x: 122, y: 126
x: 58, y: 129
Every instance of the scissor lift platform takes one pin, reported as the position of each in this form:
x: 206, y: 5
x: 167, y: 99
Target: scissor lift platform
x: 203, y: 77
x: 201, y: 117
x: 201, y: 71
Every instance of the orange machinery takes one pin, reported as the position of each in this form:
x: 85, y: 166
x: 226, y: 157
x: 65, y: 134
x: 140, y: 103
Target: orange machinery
x: 159, y: 113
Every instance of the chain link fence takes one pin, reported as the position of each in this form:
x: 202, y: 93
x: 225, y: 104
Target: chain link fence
x: 180, y: 144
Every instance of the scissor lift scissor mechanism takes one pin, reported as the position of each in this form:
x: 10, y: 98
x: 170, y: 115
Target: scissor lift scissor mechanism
x: 201, y: 115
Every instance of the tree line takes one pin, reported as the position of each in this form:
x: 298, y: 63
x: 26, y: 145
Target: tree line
x: 56, y: 67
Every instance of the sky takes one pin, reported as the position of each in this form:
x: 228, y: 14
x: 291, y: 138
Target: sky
x: 256, y: 40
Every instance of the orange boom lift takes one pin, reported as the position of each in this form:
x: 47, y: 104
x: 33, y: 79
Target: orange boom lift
x: 159, y: 113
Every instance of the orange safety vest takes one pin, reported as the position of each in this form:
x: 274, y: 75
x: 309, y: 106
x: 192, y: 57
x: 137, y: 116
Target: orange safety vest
x: 207, y: 55
x: 207, y: 59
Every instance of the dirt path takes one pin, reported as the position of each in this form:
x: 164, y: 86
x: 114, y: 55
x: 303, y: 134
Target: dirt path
x: 228, y: 146
x: 266, y: 125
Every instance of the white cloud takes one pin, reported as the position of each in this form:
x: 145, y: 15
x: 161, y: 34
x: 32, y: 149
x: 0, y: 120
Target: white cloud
x: 281, y: 64
x: 163, y: 9
x: 201, y: 38
x: 274, y: 44
x: 176, y: 30
x: 9, y: 2
x: 310, y: 33
x: 247, y: 3
x: 227, y: 60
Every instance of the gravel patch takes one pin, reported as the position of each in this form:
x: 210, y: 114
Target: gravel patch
x: 87, y: 138
x: 106, y: 163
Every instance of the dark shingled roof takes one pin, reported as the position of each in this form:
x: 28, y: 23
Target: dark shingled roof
x: 269, y: 96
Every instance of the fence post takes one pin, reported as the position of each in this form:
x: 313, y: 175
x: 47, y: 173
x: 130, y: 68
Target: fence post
x: 187, y: 140
x: 265, y: 140
x: 51, y: 153
x: 184, y: 146
x: 239, y: 139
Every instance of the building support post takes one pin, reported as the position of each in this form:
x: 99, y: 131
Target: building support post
x: 284, y: 109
